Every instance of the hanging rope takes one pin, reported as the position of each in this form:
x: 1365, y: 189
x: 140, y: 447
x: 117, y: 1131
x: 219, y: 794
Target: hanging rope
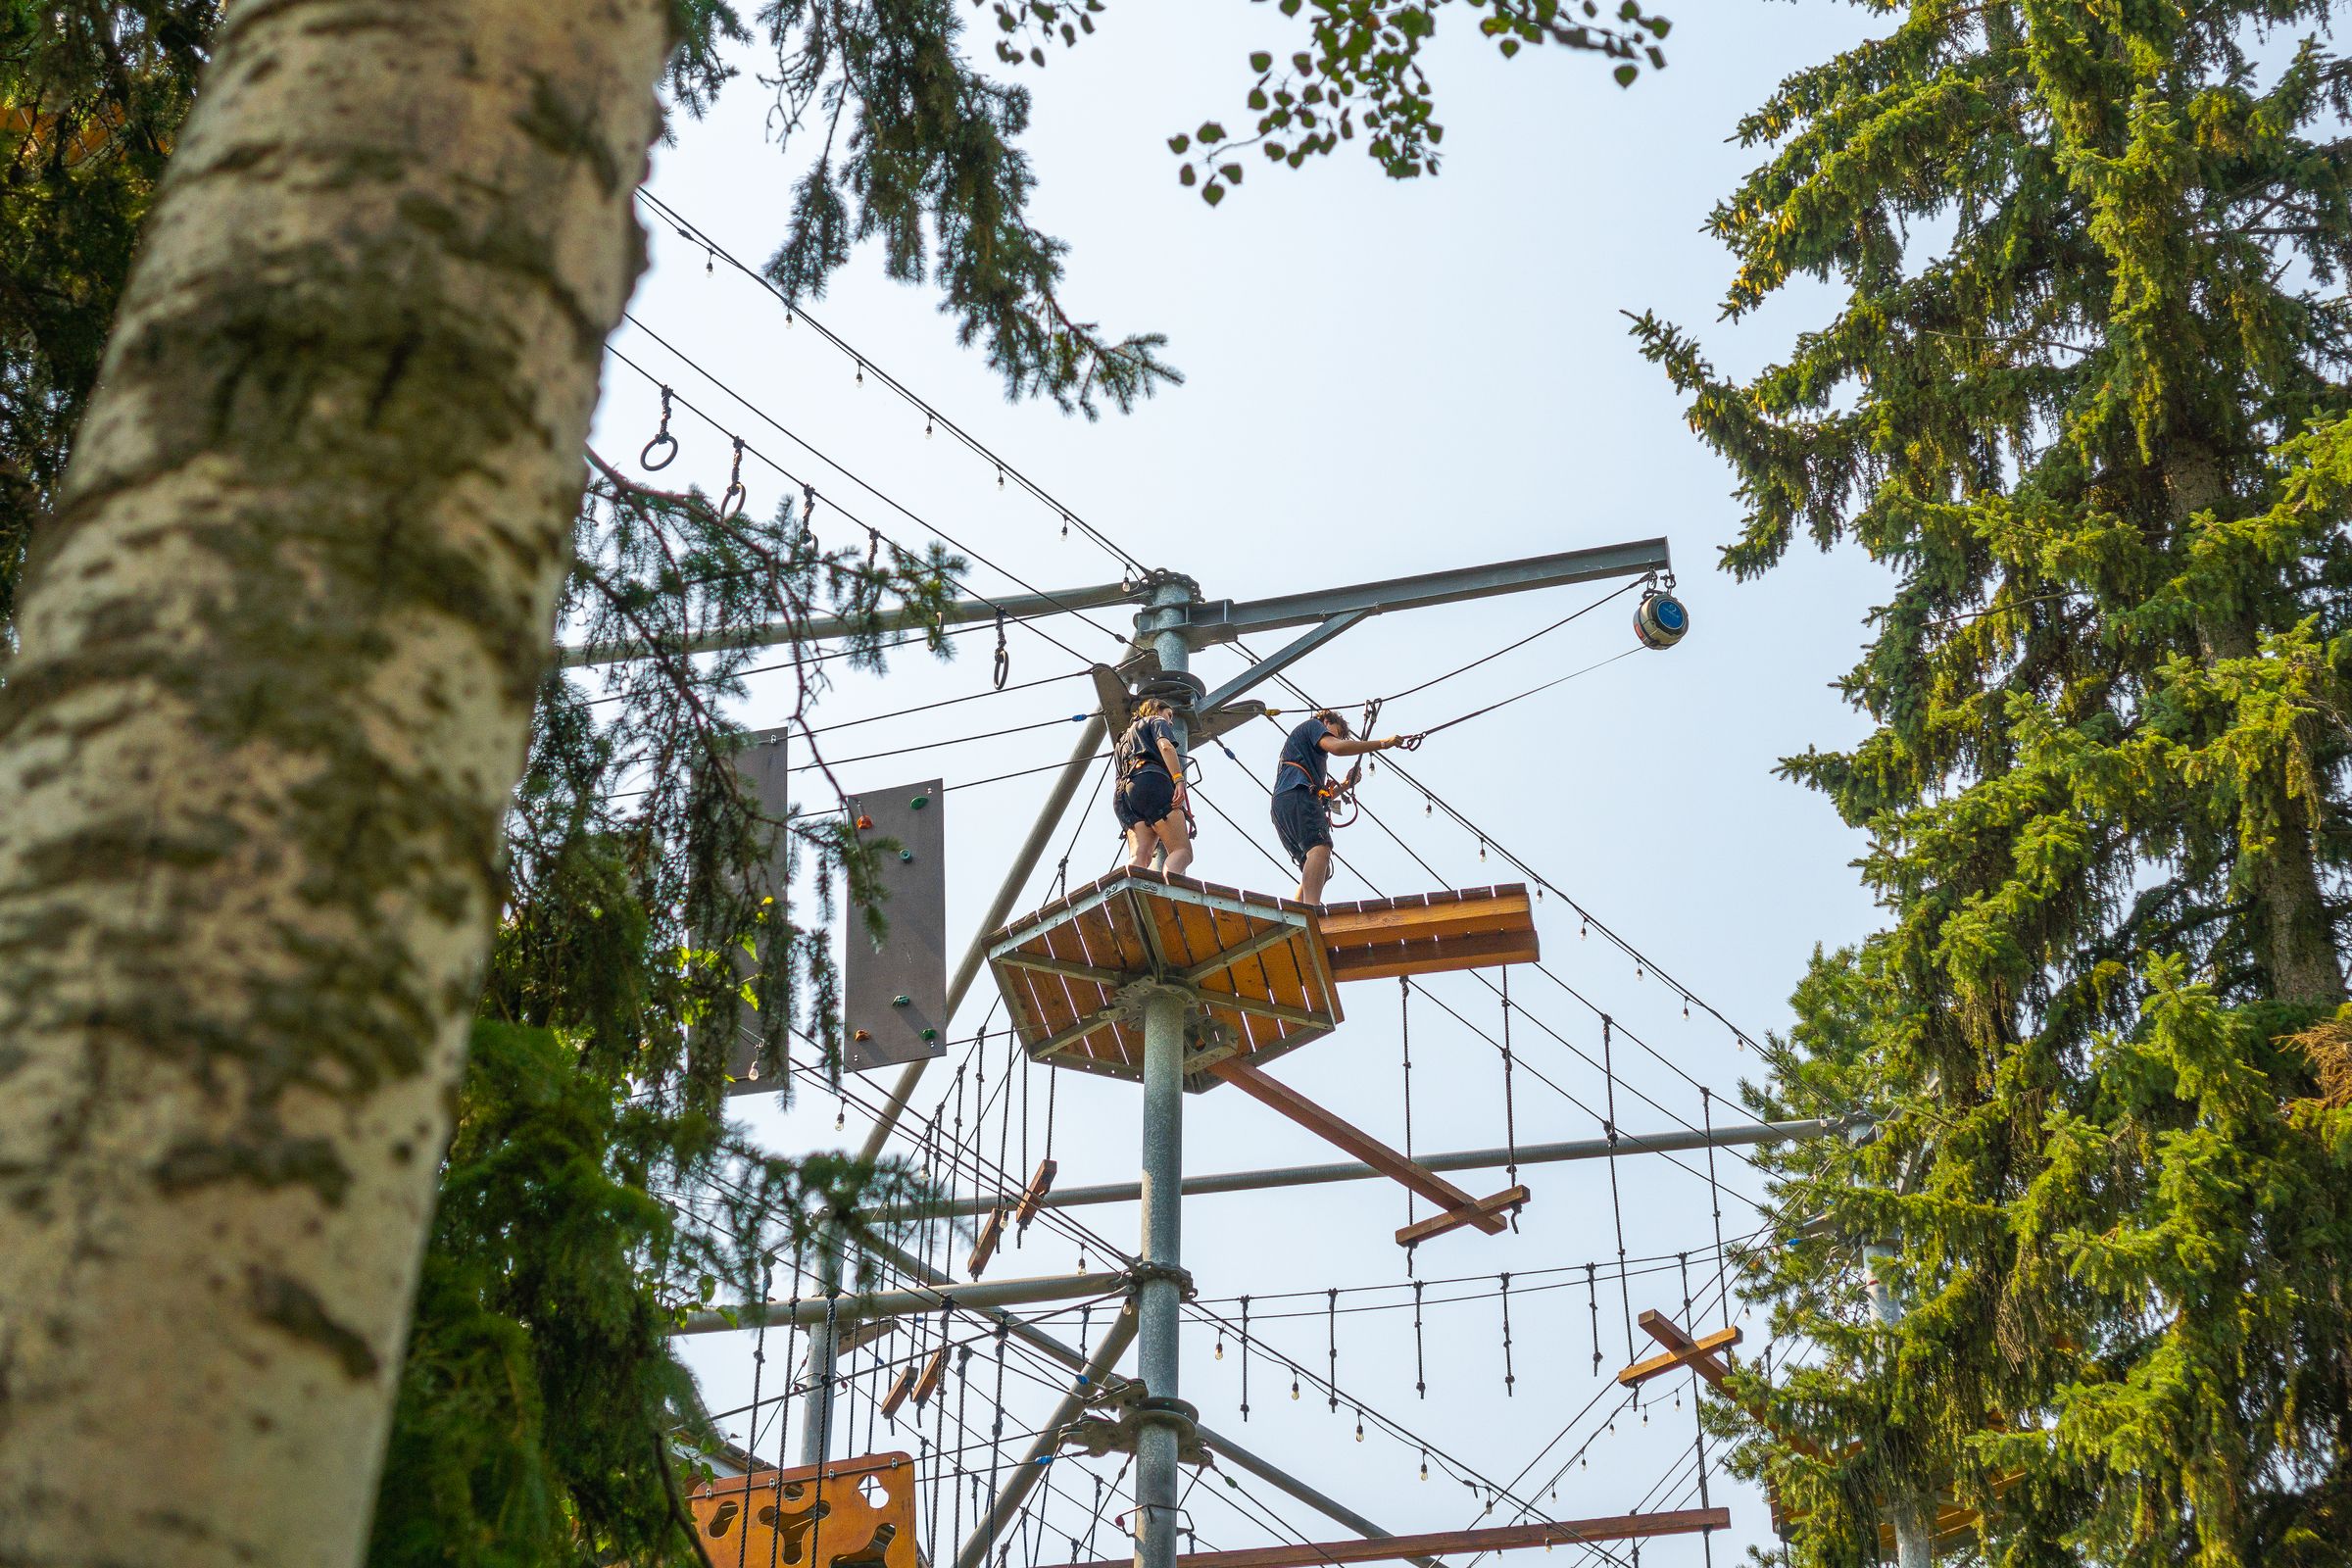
x: 1331, y: 1344
x: 743, y: 1542
x: 730, y: 505
x: 1004, y: 665
x: 1592, y: 1300
x: 1420, y: 1365
x: 1608, y: 1070
x: 1511, y: 1119
x: 1706, y: 1116
x: 1404, y: 1033
x: 1244, y: 1359
x: 1510, y: 1378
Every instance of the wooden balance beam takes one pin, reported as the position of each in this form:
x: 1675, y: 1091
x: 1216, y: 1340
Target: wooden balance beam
x: 1488, y: 1214
x: 1502, y: 1538
x: 1429, y: 933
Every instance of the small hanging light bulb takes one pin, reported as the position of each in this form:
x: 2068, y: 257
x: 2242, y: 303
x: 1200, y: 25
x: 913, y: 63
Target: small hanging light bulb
x: 1220, y: 1345
x: 1637, y: 969
x: 1580, y: 932
x: 788, y: 318
x: 710, y: 260
x: 1359, y: 1426
x: 1538, y: 893
x: 1065, y: 525
x: 1294, y: 1385
x: 1427, y: 807
x: 1583, y: 1463
x: 926, y: 426
x: 861, y: 372
x: 1685, y: 1006
x: 1000, y: 477
x: 1482, y: 849
x: 1425, y: 1464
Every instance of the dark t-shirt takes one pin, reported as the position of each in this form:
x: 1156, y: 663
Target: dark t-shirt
x: 1139, y: 745
x: 1304, y: 748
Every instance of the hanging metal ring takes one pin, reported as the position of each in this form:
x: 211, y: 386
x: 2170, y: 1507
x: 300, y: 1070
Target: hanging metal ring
x: 661, y: 438
x: 730, y: 505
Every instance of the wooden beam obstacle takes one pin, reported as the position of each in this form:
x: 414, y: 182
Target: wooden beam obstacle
x: 1501, y: 1538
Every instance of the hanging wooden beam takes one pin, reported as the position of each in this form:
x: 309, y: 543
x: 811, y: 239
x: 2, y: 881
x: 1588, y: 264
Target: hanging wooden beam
x: 986, y: 1246
x: 1040, y: 1184
x: 1364, y: 1146
x: 1503, y: 1537
x: 1700, y: 1358
x: 1500, y: 1204
x: 1642, y: 1371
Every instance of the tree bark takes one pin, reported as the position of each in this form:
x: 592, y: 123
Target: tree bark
x: 278, y: 653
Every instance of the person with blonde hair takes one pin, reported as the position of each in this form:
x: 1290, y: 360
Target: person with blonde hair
x: 1149, y: 798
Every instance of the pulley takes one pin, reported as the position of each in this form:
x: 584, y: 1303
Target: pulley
x: 1660, y: 619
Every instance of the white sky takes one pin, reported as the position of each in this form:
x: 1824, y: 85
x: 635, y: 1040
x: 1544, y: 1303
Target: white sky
x: 1382, y: 379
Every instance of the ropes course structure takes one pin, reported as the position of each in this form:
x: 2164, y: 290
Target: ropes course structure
x: 927, y: 1407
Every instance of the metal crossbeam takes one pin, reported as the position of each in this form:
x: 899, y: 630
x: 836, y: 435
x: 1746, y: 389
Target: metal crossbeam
x: 847, y: 1310
x: 1736, y: 1136
x: 824, y: 628
x: 1503, y: 1537
x: 1221, y: 621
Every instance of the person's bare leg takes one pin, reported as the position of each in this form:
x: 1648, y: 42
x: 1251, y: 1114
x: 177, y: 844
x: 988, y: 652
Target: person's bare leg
x: 1176, y: 838
x: 1315, y: 873
x: 1141, y: 842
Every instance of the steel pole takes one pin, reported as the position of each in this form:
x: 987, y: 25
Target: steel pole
x: 1737, y: 1135
x: 816, y: 1416
x: 1086, y: 1389
x: 1914, y: 1544
x: 1161, y: 1297
x: 871, y: 1304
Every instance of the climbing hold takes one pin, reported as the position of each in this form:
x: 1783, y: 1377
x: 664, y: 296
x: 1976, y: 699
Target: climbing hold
x: 1660, y: 620
x: 918, y: 803
x: 906, y: 854
x: 902, y: 1001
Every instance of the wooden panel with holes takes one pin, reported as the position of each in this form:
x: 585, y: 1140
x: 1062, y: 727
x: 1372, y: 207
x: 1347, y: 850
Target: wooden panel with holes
x: 859, y: 1514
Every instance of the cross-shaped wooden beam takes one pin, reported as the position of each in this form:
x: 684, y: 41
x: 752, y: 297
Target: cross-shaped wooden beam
x: 1642, y: 1371
x: 1460, y: 1208
x: 1698, y: 1357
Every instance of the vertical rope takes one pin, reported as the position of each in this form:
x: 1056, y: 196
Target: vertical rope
x: 1510, y: 1378
x: 1420, y: 1365
x: 1331, y: 1344
x: 1404, y: 1032
x: 963, y: 1359
x: 1625, y: 1293
x: 1511, y: 1119
x: 767, y: 1274
x: 1245, y: 1359
x: 1706, y: 1116
x: 996, y: 1430
x: 1592, y: 1300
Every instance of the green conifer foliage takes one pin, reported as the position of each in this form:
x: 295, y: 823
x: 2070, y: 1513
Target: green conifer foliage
x: 2084, y: 398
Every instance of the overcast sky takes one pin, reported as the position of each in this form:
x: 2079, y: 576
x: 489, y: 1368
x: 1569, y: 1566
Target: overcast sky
x: 1382, y: 378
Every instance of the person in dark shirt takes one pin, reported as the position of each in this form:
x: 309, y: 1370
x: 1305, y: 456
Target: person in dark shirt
x: 1302, y: 785
x: 1149, y: 798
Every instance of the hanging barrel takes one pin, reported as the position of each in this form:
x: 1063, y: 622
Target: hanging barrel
x: 1660, y: 619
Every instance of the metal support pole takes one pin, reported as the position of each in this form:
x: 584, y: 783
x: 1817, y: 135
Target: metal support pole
x: 816, y: 1416
x: 1084, y: 1389
x: 1160, y: 1299
x: 872, y: 1304
x: 1911, y: 1516
x: 1734, y: 1136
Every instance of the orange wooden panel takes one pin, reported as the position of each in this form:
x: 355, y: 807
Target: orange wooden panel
x: 1389, y: 960
x: 866, y: 1521
x: 1482, y: 914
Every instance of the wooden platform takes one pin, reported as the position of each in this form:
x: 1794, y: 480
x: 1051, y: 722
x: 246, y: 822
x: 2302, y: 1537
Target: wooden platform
x: 1429, y: 933
x: 1071, y: 973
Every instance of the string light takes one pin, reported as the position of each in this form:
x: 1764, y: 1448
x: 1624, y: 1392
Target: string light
x: 1425, y: 1464
x: 1359, y: 1426
x: 926, y: 426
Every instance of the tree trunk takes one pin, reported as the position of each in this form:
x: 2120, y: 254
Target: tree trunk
x: 2292, y: 938
x: 278, y: 653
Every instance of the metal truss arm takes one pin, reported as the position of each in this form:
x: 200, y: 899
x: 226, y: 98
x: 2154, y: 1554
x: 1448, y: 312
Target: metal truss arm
x: 1221, y: 621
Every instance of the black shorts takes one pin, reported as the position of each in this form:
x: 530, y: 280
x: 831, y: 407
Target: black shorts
x: 1147, y: 795
x: 1303, y: 821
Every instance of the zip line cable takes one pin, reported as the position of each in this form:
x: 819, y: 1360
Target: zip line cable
x: 1461, y: 669
x: 693, y: 234
x: 760, y: 414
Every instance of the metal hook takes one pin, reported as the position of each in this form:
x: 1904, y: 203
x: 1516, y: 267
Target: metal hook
x: 661, y: 438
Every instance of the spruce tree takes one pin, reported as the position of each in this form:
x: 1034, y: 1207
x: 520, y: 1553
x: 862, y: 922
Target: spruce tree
x: 2084, y: 398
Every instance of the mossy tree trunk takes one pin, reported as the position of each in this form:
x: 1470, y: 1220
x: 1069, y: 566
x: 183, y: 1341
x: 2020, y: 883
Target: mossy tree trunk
x: 278, y: 654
